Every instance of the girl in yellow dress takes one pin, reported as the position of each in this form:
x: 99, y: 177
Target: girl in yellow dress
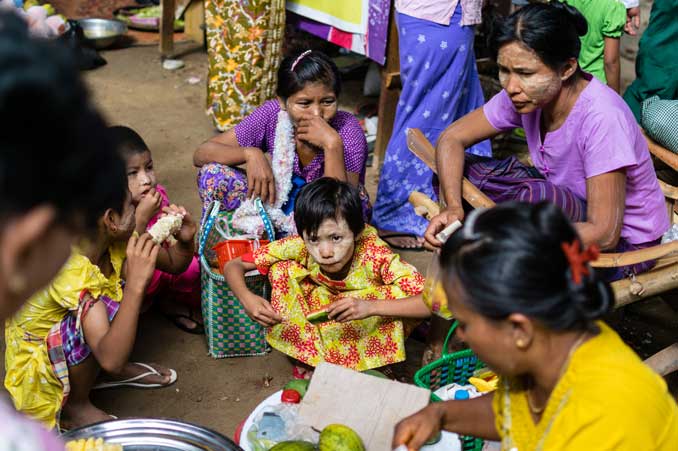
x: 340, y: 265
x: 72, y: 180
x: 529, y: 305
x: 86, y: 319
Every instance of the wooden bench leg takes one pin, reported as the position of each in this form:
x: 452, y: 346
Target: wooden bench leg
x: 388, y: 97
x: 167, y: 29
x: 665, y: 361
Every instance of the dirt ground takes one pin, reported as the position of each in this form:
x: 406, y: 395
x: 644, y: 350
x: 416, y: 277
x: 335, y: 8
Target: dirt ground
x: 168, y: 112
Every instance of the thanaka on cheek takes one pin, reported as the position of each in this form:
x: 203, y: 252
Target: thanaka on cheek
x: 526, y: 78
x: 332, y: 245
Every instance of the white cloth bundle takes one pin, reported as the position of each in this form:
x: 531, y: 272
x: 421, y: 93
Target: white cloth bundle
x: 246, y: 217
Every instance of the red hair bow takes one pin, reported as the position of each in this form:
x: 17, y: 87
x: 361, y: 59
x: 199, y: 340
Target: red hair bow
x: 578, y: 259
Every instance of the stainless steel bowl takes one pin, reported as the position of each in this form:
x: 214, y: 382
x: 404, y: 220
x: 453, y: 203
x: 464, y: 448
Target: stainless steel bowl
x: 102, y: 32
x: 146, y: 434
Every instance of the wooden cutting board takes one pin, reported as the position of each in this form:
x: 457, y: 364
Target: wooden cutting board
x: 369, y: 405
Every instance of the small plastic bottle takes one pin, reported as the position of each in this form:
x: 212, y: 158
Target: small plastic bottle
x: 461, y: 394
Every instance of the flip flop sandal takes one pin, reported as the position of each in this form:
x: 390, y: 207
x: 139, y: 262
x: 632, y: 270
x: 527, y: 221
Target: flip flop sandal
x: 199, y: 329
x: 132, y: 381
x: 386, y: 237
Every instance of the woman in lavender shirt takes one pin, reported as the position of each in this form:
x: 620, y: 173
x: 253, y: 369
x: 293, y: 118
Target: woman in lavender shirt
x: 298, y: 137
x: 53, y: 184
x: 589, y: 155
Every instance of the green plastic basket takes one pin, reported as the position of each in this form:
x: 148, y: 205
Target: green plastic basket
x: 452, y: 368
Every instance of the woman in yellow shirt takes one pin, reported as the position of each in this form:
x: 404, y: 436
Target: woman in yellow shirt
x: 529, y: 306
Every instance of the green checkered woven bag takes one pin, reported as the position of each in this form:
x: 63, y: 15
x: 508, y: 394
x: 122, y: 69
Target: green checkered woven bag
x: 228, y: 329
x: 659, y: 118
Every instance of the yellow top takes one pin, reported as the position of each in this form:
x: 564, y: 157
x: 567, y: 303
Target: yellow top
x: 606, y: 400
x: 31, y: 380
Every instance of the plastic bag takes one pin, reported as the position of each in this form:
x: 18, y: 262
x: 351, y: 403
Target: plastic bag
x: 671, y: 234
x: 277, y: 424
x: 434, y: 294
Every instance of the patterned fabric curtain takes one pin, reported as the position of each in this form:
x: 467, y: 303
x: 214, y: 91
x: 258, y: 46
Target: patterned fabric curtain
x: 244, y: 40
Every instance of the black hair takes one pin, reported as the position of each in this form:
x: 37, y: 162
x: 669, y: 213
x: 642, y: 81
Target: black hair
x: 53, y: 147
x: 551, y: 30
x: 510, y: 260
x: 327, y: 198
x: 312, y: 67
x: 127, y: 141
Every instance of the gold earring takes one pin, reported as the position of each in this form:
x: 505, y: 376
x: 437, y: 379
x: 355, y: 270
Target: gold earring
x: 520, y: 343
x: 17, y: 284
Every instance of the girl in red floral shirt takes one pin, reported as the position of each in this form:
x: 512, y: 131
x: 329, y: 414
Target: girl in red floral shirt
x: 338, y: 264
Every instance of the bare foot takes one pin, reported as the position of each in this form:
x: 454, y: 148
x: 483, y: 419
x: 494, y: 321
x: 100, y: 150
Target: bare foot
x: 431, y: 354
x: 77, y: 415
x: 186, y: 319
x: 131, y: 370
x: 399, y: 240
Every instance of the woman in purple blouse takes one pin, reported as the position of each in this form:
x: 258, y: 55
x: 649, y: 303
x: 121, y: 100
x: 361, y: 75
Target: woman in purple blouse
x: 287, y: 142
x: 73, y: 178
x: 589, y: 155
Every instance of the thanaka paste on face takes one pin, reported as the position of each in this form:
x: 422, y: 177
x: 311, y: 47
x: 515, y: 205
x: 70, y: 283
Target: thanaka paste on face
x: 316, y: 91
x: 140, y: 183
x: 538, y: 88
x: 126, y: 222
x: 332, y: 245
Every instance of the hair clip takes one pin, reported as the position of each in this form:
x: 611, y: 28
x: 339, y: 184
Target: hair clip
x: 578, y: 260
x: 467, y: 231
x: 299, y: 58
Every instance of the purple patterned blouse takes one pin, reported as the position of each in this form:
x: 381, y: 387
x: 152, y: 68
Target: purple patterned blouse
x: 258, y: 130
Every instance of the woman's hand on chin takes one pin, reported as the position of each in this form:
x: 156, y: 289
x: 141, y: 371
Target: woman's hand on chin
x: 317, y: 132
x: 260, y: 179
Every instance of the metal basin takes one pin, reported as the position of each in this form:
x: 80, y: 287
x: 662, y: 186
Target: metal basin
x: 102, y: 32
x: 150, y: 434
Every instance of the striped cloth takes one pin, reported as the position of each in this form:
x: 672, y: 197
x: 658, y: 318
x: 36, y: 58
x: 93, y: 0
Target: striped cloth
x: 57, y: 358
x: 510, y: 180
x: 73, y: 342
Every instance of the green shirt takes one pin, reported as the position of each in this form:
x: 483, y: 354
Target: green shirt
x: 657, y: 60
x: 606, y: 19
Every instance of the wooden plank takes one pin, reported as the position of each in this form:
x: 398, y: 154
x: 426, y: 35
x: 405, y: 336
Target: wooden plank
x: 669, y: 191
x: 422, y: 148
x: 423, y: 205
x: 167, y: 29
x: 393, y: 80
x: 616, y: 260
x: 388, y: 98
x: 665, y: 155
x: 194, y: 21
x: 653, y: 282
